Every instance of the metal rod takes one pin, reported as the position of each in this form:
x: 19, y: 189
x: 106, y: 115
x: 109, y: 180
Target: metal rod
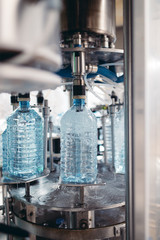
x: 46, y: 111
x: 81, y: 195
x: 27, y: 190
x: 52, y: 168
x: 105, y: 139
x: 6, y: 202
x: 4, y: 195
x: 128, y: 57
x: 113, y: 142
x: 70, y: 97
x: 45, y: 141
x: 7, y: 210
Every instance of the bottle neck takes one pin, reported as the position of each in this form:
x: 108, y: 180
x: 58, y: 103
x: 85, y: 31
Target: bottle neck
x: 79, y: 102
x: 24, y: 105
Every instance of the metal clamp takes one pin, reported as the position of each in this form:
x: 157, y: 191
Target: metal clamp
x: 91, y: 68
x: 119, y: 231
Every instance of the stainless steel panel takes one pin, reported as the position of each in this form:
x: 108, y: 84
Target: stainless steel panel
x: 63, y: 234
x: 152, y: 115
x: 143, y: 105
x: 139, y: 120
x: 97, y: 16
x: 128, y: 80
x: 135, y: 118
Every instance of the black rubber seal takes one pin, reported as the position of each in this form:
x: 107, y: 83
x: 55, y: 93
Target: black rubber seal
x: 40, y: 100
x: 26, y: 95
x: 78, y: 90
x: 14, y: 99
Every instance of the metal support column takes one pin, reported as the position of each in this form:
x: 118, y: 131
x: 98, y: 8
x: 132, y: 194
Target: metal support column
x: 113, y: 142
x: 135, y: 122
x: 52, y: 167
x: 127, y: 9
x: 46, y: 111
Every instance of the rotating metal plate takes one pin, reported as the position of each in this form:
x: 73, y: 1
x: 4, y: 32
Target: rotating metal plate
x: 103, y: 207
x: 97, y: 56
x: 47, y: 193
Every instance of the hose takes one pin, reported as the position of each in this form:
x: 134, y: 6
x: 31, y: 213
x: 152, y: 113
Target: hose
x: 94, y: 93
x: 67, y: 73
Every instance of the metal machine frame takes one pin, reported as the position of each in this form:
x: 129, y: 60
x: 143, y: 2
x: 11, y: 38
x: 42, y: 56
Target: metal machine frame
x: 142, y: 118
x: 93, y: 46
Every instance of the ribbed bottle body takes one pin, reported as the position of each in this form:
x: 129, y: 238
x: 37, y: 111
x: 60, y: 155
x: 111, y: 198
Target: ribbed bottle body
x: 5, y: 153
x: 25, y: 144
x: 1, y: 151
x: 119, y: 141
x: 108, y: 140
x: 78, y: 146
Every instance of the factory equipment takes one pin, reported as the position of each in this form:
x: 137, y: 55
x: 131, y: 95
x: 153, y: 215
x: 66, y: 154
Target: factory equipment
x: 46, y: 207
x: 113, y: 135
x: 14, y: 101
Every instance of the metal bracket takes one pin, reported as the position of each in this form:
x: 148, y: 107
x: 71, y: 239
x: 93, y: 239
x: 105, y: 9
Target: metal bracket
x: 119, y: 231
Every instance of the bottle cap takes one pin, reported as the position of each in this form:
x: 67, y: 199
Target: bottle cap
x: 79, y: 92
x: 14, y: 99
x: 79, y: 88
x: 24, y: 97
x: 40, y: 98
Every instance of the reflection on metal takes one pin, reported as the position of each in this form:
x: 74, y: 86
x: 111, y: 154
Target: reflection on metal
x: 100, y: 210
x: 95, y: 16
x: 78, y: 63
x: 142, y: 59
x: 96, y: 56
x: 59, y: 197
x: 63, y: 234
x: 128, y: 57
x: 146, y: 119
x: 119, y: 13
